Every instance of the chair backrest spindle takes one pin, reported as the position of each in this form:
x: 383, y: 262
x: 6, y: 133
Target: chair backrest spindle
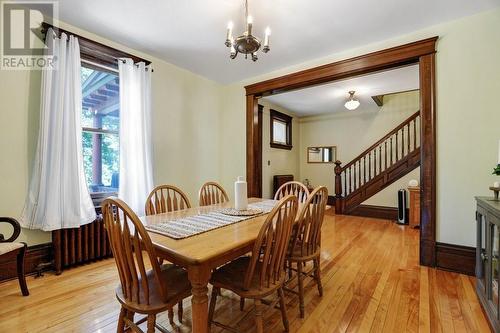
x: 268, y: 255
x: 307, y: 235
x: 166, y: 198
x: 292, y: 188
x: 212, y: 193
x: 128, y: 240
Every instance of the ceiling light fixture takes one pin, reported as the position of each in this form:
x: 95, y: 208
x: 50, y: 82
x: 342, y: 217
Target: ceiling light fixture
x: 246, y: 43
x: 351, y: 104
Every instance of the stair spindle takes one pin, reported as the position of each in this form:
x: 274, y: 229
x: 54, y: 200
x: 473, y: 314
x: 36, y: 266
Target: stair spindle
x: 359, y: 173
x: 397, y: 147
x: 364, y: 169
x: 391, y: 150
x: 380, y: 158
x: 408, y: 134
x: 375, y: 163
x: 350, y: 180
x: 355, y: 180
x: 402, y: 142
x: 385, y: 155
x: 369, y: 165
x: 415, y: 134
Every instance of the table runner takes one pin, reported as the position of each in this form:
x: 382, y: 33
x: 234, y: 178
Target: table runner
x: 200, y: 223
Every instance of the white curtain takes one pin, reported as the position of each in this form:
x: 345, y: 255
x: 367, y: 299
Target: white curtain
x: 58, y: 196
x: 136, y: 171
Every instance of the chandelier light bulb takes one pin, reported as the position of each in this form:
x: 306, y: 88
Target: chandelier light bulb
x: 249, y: 19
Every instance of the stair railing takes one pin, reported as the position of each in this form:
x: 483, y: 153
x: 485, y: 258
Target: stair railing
x: 380, y: 156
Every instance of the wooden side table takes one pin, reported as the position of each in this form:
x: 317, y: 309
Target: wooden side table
x: 414, y: 206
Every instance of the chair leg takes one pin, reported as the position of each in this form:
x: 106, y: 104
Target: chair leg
x: 301, y: 289
x: 284, y: 316
x: 151, y: 323
x: 170, y: 313
x: 180, y: 311
x: 258, y: 316
x: 317, y: 275
x: 121, y: 321
x: 20, y: 271
x: 211, y: 309
x: 242, y: 303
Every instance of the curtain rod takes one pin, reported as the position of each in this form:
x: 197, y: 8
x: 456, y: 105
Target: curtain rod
x: 92, y: 47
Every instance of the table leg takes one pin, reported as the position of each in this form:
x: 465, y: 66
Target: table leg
x: 199, y: 276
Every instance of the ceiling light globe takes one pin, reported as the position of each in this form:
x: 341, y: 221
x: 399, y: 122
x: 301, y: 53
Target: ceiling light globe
x: 351, y: 105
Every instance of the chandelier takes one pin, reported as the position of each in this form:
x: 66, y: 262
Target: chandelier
x: 246, y: 43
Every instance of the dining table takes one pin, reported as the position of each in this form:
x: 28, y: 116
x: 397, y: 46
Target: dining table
x: 200, y: 254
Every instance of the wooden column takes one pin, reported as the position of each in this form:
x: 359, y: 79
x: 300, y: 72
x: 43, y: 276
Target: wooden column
x: 428, y: 160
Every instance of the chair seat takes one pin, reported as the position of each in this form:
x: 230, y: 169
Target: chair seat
x: 178, y: 288
x: 232, y: 276
x: 9, y: 247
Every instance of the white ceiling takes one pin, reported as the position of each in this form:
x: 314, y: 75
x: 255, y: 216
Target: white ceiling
x: 331, y: 97
x: 191, y: 33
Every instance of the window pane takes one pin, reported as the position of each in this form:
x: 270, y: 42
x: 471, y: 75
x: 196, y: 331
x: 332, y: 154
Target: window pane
x: 101, y: 161
x: 101, y: 123
x: 279, y: 132
x: 100, y: 98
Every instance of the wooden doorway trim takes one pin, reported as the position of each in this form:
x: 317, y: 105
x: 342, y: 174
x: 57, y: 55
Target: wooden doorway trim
x: 421, y: 52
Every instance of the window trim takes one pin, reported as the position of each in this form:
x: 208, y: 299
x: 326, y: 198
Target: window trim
x: 284, y: 118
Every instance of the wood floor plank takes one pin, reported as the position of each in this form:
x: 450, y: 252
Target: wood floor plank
x: 372, y: 282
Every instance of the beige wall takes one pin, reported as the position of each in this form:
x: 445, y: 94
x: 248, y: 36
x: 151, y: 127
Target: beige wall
x: 352, y: 132
x: 186, y: 126
x: 467, y: 116
x: 281, y: 161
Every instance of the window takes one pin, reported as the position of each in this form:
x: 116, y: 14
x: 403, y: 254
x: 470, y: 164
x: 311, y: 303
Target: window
x: 281, y: 130
x: 100, y: 128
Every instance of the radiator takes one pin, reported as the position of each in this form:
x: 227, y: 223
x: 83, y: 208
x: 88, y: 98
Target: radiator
x: 76, y: 246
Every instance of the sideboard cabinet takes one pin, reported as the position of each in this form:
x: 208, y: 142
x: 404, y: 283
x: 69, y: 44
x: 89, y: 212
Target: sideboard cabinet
x: 487, y: 257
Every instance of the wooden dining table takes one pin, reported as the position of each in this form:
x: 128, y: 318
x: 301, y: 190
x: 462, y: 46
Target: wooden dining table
x: 200, y: 254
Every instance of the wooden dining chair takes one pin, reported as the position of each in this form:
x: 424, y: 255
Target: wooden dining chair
x: 166, y: 198
x: 11, y: 249
x: 261, y: 274
x: 305, y: 243
x: 212, y: 193
x: 292, y: 188
x: 141, y: 291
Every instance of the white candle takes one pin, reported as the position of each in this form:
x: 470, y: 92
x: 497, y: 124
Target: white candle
x: 498, y: 151
x: 229, y: 31
x: 266, y: 38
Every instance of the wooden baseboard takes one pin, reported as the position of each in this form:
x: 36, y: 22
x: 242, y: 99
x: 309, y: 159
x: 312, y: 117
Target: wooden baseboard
x: 376, y: 212
x: 456, y: 258
x: 35, y: 255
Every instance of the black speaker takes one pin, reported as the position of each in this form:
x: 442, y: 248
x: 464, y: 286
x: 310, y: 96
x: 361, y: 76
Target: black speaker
x: 402, y: 216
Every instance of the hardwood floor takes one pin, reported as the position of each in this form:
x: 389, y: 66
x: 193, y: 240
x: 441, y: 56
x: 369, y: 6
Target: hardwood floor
x: 371, y: 278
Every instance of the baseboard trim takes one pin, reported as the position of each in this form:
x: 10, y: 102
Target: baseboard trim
x: 376, y: 212
x: 456, y: 258
x: 35, y: 255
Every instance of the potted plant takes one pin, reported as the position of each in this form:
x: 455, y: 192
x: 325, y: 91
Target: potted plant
x: 496, y: 171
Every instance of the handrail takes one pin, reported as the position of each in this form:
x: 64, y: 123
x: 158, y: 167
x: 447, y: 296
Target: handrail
x: 379, y: 142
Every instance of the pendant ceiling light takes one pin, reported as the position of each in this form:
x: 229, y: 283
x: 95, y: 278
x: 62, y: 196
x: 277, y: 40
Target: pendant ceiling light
x: 246, y: 43
x: 352, y: 103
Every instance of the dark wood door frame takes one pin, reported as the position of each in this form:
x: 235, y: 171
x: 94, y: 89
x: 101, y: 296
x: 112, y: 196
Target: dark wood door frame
x: 421, y: 52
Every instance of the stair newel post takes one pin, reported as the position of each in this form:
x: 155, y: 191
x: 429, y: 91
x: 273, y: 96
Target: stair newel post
x: 338, y: 188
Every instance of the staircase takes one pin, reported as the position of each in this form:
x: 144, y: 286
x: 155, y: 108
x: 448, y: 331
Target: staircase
x: 387, y: 160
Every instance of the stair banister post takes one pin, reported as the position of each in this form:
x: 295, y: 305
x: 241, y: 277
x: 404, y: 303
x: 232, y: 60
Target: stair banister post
x: 338, y: 188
